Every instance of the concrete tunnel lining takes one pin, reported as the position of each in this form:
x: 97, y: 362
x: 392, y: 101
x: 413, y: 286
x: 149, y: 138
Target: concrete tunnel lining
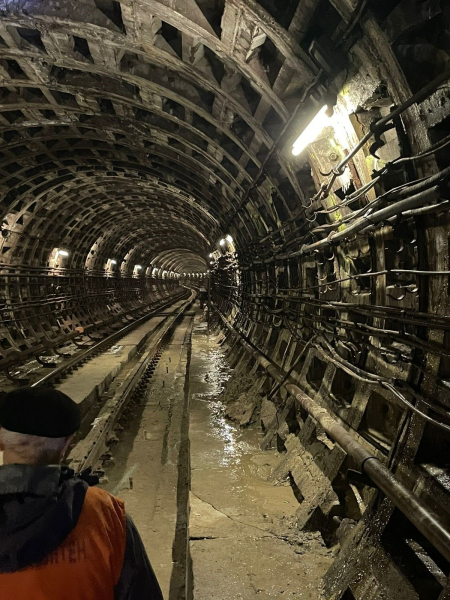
x: 144, y: 132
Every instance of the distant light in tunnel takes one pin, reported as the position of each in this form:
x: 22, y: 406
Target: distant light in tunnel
x: 222, y: 242
x: 229, y: 239
x: 210, y: 255
x: 62, y: 253
x: 138, y: 267
x: 311, y: 132
x: 113, y: 262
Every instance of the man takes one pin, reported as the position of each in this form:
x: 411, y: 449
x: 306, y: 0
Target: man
x: 60, y: 539
x: 203, y: 296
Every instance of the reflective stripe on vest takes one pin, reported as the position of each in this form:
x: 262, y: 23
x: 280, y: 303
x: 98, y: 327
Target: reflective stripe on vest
x: 88, y: 563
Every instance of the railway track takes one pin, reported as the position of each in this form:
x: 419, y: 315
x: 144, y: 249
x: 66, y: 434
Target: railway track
x: 79, y: 358
x: 93, y: 449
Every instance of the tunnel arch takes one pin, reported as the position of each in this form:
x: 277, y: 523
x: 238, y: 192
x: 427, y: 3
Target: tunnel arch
x: 146, y: 132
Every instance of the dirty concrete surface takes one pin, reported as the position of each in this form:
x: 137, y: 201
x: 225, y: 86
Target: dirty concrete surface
x: 242, y: 539
x: 146, y: 460
x: 243, y: 542
x: 136, y: 134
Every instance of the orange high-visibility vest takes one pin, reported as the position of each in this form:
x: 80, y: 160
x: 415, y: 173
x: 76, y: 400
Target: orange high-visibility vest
x: 88, y: 563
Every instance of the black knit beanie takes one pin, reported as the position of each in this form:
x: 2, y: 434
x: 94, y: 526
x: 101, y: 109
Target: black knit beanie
x: 40, y: 411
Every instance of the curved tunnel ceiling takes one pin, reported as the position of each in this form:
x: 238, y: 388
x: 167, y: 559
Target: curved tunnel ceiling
x: 134, y: 129
x: 145, y: 131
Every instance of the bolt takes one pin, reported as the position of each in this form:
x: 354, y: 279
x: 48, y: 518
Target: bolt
x: 333, y: 157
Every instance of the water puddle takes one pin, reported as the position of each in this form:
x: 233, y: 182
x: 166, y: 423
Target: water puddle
x: 239, y: 521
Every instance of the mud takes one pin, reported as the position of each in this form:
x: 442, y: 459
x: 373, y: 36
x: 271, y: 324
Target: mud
x: 242, y: 397
x: 244, y: 540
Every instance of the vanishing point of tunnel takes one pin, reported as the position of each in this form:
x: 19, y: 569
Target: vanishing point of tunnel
x: 225, y: 235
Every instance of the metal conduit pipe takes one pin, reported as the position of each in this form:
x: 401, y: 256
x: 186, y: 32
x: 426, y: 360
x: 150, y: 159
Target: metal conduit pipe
x: 420, y: 515
x: 404, y: 192
x: 378, y: 125
x: 406, y: 189
x: 410, y: 206
x: 410, y: 190
x: 368, y: 219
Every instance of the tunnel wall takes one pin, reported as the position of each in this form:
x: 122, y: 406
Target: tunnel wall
x: 43, y: 307
x: 347, y: 316
x: 143, y: 133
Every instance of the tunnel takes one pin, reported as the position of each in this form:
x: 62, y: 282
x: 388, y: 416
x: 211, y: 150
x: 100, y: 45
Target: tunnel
x: 224, y: 234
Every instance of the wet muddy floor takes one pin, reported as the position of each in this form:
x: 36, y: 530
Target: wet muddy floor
x: 242, y: 539
x: 239, y: 523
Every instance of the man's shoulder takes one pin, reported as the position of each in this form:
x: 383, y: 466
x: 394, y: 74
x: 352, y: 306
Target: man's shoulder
x: 97, y: 497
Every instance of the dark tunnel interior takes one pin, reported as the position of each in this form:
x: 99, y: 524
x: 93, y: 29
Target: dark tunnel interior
x: 149, y: 146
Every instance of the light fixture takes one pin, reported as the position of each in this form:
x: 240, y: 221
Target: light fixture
x: 113, y: 262
x: 62, y: 253
x: 210, y: 255
x: 229, y: 239
x: 138, y: 267
x: 222, y: 242
x: 311, y: 132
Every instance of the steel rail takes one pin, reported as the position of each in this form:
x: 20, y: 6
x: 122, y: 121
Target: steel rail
x: 413, y: 507
x: 89, y: 450
x: 72, y: 362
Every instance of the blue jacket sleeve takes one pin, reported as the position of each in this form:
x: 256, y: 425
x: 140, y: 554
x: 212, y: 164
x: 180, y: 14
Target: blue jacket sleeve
x: 137, y: 580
